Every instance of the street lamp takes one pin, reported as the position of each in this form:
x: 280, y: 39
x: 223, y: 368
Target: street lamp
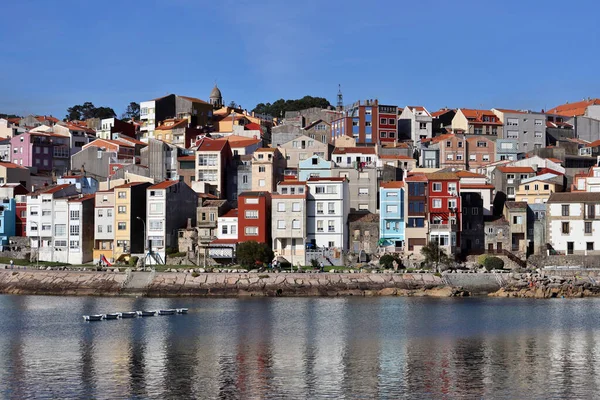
x: 143, y: 222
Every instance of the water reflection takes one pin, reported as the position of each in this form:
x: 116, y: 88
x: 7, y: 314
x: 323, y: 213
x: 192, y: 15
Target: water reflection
x: 300, y: 348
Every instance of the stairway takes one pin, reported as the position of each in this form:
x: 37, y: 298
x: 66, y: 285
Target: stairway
x: 137, y: 282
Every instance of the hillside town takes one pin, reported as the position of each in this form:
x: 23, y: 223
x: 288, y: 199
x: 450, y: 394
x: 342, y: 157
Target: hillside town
x: 330, y: 186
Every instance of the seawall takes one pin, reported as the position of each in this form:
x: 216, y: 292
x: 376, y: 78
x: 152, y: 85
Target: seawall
x: 173, y: 284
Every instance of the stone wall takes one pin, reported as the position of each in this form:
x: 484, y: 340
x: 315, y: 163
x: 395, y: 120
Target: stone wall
x: 540, y: 261
x: 61, y: 282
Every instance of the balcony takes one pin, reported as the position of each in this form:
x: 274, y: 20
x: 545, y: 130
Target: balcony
x: 443, y: 227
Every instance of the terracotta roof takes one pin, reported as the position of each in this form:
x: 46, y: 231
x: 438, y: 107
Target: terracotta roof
x: 574, y: 197
x: 43, y: 118
x: 172, y: 124
x: 595, y: 143
x: 10, y: 165
x: 128, y: 185
x: 392, y: 185
x: 254, y: 194
x: 442, y: 176
x: 549, y: 171
x: 80, y: 199
x: 230, y: 214
x: 437, y: 139
x: 163, y: 185
x: 288, y: 196
x: 416, y: 178
x: 14, y: 120
x: 265, y: 149
x: 244, y: 143
x: 132, y: 140
x: 252, y: 126
x: 50, y: 189
x: 515, y: 204
x: 186, y: 158
x: 193, y: 99
x: 441, y: 112
x: 71, y: 177
x: 573, y: 109
x: 395, y: 157
x: 478, y: 115
x: 212, y: 145
x: 354, y: 150
x: 515, y: 169
x: 468, y: 174
x: 292, y: 182
x: 207, y: 196
x: 324, y: 179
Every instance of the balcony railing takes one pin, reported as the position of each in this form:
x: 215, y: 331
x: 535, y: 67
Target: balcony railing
x: 444, y: 227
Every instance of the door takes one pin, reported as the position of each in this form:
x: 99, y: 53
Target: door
x: 570, y: 247
x: 490, y: 247
x: 499, y: 247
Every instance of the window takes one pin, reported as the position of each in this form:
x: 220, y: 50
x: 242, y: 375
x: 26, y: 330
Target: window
x: 224, y: 229
x: 156, y: 208
x: 459, y: 156
x: 437, y: 203
x: 448, y: 144
x: 122, y: 226
x: 251, y: 214
x: 122, y: 195
x: 512, y: 122
x: 475, y: 211
x: 281, y: 206
x: 391, y: 208
x: 588, y: 227
x: 233, y: 229
x: 565, y: 227
x: 416, y: 222
x: 250, y: 201
x: 589, y: 246
x: 207, y: 160
x: 296, y: 207
x: 511, y: 135
x: 60, y: 243
x: 472, y: 157
x: 422, y: 125
x: 526, y: 187
x: 517, y: 220
x: 295, y: 224
x: 437, y: 187
x: 449, y: 156
x: 74, y: 244
x: 261, y: 182
x: 538, y: 134
x: 452, y: 203
x: 109, y: 228
x: 319, y: 226
x: 391, y: 194
x: 75, y: 215
x: 60, y: 230
x: 46, y: 213
x: 262, y: 168
x: 155, y: 225
x: 363, y: 191
x: 383, y: 134
x: 99, y: 229
x: 383, y: 121
x: 122, y: 209
x: 486, y: 157
x: 331, y: 226
x: 100, y: 213
x: 74, y: 229
x: 539, y: 122
x: 331, y: 208
x: 333, y: 189
x: 565, y: 210
x: 367, y: 123
x: 320, y: 189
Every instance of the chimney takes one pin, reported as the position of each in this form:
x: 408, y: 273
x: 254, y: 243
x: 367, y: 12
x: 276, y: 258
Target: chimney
x: 189, y: 223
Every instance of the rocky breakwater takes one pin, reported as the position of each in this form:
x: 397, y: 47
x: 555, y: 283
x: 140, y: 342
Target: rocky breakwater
x: 61, y: 282
x: 304, y: 284
x: 542, y: 286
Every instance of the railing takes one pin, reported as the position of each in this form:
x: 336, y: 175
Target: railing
x: 445, y: 227
x: 512, y: 257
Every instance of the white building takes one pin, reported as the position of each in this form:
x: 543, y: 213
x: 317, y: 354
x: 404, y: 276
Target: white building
x: 169, y: 206
x: 81, y: 229
x: 328, y: 205
x: 47, y: 222
x: 288, y: 221
x: 148, y: 118
x: 573, y: 222
x: 415, y: 123
x: 227, y: 225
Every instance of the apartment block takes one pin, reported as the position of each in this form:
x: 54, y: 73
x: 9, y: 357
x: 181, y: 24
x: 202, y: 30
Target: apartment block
x: 288, y: 216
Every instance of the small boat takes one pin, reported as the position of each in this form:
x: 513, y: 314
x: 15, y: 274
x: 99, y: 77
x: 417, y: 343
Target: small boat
x: 182, y: 311
x: 111, y: 316
x: 170, y: 311
x: 146, y: 313
x: 129, y: 314
x: 95, y: 317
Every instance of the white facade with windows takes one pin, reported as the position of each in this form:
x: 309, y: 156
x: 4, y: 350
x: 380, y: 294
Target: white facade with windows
x: 288, y: 222
x: 148, y: 118
x: 328, y: 206
x: 227, y: 226
x: 573, y: 223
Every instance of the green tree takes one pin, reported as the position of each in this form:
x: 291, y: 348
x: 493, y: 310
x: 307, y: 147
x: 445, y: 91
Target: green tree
x: 387, y: 261
x: 279, y: 107
x: 233, y: 104
x: 87, y: 110
x: 132, y: 111
x: 250, y: 253
x: 491, y: 263
x: 434, y: 254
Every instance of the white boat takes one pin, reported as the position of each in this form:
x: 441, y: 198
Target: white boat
x: 182, y: 311
x: 146, y: 313
x: 128, y: 314
x: 170, y: 311
x: 94, y: 317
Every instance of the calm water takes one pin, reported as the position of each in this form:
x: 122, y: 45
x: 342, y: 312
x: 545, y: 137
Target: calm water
x: 353, y: 348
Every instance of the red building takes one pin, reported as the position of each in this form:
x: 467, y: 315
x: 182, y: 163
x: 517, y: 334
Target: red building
x: 19, y: 193
x: 444, y: 210
x: 254, y: 217
x: 367, y: 122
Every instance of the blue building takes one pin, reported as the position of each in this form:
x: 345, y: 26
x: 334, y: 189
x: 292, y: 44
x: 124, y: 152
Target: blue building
x: 7, y: 221
x: 507, y: 149
x: 391, y: 219
x: 314, y: 167
x: 84, y: 184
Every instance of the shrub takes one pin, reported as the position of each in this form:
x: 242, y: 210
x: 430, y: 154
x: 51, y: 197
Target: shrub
x: 133, y: 261
x: 493, y: 263
x: 195, y: 274
x: 481, y: 259
x: 251, y: 253
x: 285, y: 265
x: 387, y: 261
x: 314, y: 263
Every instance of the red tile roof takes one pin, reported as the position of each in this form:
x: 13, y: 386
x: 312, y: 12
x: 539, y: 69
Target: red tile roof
x: 476, y: 186
x: 573, y: 109
x: 515, y: 169
x: 11, y: 165
x: 416, y: 177
x: 186, y: 158
x: 265, y: 149
x: 212, y: 145
x: 132, y: 140
x: 172, y: 124
x: 164, y: 185
x: 549, y: 171
x: 80, y: 199
x: 354, y: 150
x: 469, y: 174
x: 231, y: 214
x: 252, y: 126
x: 395, y: 157
x: 224, y: 241
x: 392, y: 185
x: 50, y: 189
x: 478, y: 115
x: 293, y: 183
x: 325, y: 179
x: 43, y: 118
x: 244, y: 143
x: 128, y: 185
x: 441, y: 112
x: 15, y: 120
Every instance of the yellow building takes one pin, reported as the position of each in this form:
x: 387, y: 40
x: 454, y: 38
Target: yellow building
x: 267, y: 169
x: 130, y: 219
x: 537, y: 190
x: 104, y: 225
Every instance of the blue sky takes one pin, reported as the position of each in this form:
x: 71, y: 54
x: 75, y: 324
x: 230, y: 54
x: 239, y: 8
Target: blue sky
x: 512, y: 54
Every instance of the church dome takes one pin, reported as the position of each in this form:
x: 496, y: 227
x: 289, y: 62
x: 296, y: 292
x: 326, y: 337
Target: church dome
x: 215, y: 93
